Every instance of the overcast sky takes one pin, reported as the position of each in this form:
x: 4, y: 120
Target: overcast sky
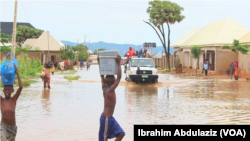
x: 118, y: 21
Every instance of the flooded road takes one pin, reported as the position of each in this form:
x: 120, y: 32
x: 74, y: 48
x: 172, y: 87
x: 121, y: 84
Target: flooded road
x: 70, y: 111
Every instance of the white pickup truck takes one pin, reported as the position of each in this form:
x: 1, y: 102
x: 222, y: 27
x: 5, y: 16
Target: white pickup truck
x: 141, y: 69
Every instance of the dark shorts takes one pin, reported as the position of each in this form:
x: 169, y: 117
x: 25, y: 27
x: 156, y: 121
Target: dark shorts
x: 109, y: 128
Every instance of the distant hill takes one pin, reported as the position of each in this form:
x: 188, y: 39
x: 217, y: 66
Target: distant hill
x: 112, y: 46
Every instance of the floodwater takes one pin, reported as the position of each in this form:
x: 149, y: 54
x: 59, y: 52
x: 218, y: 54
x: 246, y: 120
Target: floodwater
x: 70, y: 111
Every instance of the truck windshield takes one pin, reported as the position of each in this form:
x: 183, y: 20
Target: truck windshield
x: 142, y: 63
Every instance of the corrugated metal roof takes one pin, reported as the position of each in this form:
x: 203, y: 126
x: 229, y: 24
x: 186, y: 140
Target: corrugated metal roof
x: 7, y: 27
x: 217, y: 33
x: 185, y: 37
x: 245, y: 39
x: 30, y: 42
x: 44, y: 42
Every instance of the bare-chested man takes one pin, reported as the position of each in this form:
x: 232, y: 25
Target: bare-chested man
x: 8, y: 106
x: 109, y: 127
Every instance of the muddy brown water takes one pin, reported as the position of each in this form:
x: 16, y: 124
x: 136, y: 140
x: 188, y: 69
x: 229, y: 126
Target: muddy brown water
x: 70, y: 111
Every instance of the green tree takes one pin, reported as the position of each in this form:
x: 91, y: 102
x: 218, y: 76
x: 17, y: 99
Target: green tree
x: 24, y: 32
x: 100, y: 49
x: 161, y: 12
x: 237, y: 47
x: 196, y: 51
x: 82, y: 52
x: 67, y: 53
x: 5, y: 38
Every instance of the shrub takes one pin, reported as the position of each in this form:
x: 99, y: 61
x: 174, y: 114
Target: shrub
x: 27, y: 67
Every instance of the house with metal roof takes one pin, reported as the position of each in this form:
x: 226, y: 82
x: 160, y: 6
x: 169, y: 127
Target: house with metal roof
x: 48, y: 45
x: 211, y: 38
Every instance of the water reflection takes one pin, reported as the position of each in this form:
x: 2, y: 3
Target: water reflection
x: 46, y: 94
x: 45, y: 101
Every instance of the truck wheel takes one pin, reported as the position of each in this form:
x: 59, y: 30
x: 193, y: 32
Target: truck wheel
x: 155, y: 81
x: 127, y: 79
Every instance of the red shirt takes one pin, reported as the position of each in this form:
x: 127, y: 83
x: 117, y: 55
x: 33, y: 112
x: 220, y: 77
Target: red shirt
x: 236, y: 63
x: 130, y: 53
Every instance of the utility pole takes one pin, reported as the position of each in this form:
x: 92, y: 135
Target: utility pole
x: 77, y: 51
x: 48, y: 48
x: 14, y: 31
x: 95, y: 52
x: 88, y: 49
x: 84, y: 40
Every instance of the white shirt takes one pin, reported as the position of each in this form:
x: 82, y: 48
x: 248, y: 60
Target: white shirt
x: 205, y: 66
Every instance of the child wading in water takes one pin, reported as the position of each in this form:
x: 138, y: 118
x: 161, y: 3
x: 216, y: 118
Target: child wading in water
x: 8, y: 106
x: 46, y: 78
x: 109, y: 127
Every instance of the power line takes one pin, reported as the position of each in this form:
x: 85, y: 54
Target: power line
x: 25, y: 12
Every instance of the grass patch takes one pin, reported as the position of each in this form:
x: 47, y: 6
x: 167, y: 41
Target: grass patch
x: 70, y: 78
x: 57, y: 70
x: 160, y: 68
x: 71, y: 72
x: 26, y: 83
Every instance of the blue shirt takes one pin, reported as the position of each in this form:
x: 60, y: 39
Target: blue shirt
x: 142, y: 55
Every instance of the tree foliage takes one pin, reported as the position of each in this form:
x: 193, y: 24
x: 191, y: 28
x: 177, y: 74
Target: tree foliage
x: 67, y: 52
x: 196, y: 51
x: 5, y: 38
x: 24, y: 32
x: 237, y: 47
x: 161, y: 12
x: 82, y: 52
x: 100, y: 49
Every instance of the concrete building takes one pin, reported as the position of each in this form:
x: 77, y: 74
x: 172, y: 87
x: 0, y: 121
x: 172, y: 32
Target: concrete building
x: 244, y: 60
x: 211, y: 38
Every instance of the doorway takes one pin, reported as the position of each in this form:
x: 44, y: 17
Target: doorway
x: 53, y: 58
x: 210, y: 58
